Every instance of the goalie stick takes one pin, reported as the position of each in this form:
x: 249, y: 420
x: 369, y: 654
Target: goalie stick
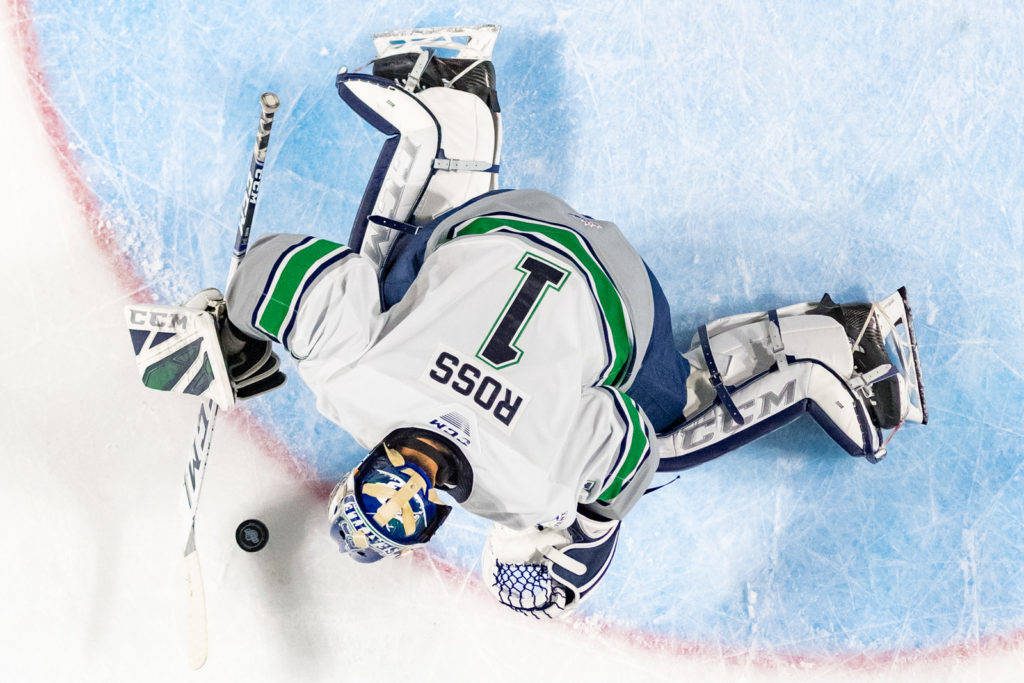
x: 195, y: 470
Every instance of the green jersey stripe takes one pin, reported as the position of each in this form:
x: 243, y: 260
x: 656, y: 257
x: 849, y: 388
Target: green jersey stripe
x: 608, y: 299
x: 638, y: 445
x: 290, y: 276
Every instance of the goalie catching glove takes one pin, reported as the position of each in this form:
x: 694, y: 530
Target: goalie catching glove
x: 194, y: 349
x: 546, y: 571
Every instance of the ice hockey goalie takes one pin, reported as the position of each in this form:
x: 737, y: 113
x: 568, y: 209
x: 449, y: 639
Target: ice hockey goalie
x: 501, y: 350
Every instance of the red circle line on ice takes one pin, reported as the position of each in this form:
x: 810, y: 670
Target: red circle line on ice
x: 127, y: 276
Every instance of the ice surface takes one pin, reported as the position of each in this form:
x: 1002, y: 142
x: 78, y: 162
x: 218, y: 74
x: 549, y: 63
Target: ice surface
x: 757, y: 154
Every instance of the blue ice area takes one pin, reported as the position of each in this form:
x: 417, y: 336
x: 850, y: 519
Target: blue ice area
x: 758, y: 154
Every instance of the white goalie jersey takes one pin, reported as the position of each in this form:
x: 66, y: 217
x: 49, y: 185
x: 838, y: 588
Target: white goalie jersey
x: 513, y: 339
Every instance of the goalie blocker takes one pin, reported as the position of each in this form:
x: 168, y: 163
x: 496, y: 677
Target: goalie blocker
x: 194, y: 349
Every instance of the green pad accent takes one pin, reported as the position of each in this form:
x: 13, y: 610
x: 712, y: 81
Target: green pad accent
x: 203, y: 378
x: 166, y: 372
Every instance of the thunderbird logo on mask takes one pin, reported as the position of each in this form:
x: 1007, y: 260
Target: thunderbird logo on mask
x: 384, y: 507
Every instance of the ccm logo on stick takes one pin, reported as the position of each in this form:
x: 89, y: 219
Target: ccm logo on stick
x: 497, y: 398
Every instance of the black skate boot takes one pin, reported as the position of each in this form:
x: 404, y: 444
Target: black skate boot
x: 457, y: 57
x: 885, y: 403
x: 479, y: 80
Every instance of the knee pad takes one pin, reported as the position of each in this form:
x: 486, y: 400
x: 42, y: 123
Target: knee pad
x: 744, y: 350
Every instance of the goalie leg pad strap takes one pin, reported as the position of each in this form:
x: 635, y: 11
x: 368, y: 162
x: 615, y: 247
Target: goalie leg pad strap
x: 776, y: 346
x: 715, y: 377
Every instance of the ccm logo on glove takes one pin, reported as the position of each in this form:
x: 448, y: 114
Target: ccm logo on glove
x: 501, y: 401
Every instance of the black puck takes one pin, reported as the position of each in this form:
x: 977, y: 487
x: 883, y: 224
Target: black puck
x: 251, y: 535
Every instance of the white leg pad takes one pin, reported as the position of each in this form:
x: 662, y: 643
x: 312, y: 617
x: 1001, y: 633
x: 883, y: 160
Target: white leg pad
x: 405, y: 163
x: 770, y: 401
x: 744, y: 350
x: 440, y: 140
x: 771, y: 386
x: 467, y: 132
x: 722, y: 324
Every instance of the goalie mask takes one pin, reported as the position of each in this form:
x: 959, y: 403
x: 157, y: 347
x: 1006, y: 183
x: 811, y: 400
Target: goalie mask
x: 388, y: 504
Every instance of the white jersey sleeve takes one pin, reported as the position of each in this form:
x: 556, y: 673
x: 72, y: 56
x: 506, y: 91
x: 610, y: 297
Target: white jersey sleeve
x: 609, y: 444
x: 312, y: 295
x: 616, y: 439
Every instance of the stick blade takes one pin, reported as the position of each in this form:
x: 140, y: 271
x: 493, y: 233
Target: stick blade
x: 197, y: 638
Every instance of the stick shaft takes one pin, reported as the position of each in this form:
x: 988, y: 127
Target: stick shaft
x: 269, y: 103
x: 207, y: 418
x: 195, y: 471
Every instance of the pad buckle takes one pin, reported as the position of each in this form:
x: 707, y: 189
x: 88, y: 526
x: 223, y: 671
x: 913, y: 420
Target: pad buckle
x: 862, y: 383
x: 778, y: 348
x: 413, y: 80
x: 446, y: 164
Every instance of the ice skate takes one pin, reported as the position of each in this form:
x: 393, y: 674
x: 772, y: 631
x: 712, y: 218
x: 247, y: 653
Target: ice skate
x: 886, y: 366
x: 454, y: 56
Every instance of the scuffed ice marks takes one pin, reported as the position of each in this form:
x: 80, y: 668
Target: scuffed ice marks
x: 757, y: 155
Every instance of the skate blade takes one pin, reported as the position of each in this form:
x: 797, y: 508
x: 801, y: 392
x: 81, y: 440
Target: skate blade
x: 458, y: 42
x: 897, y: 326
